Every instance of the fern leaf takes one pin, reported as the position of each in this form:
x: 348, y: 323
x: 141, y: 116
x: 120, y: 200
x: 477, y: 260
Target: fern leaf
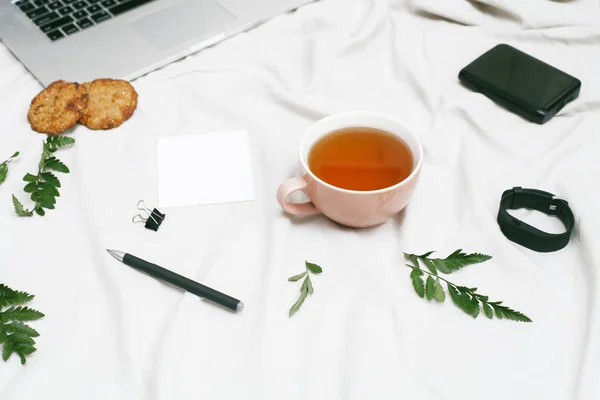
x: 20, y: 314
x: 10, y: 297
x: 19, y: 209
x: 57, y: 165
x: 9, y: 345
x: 21, y: 328
x: 23, y: 339
x: 511, y: 314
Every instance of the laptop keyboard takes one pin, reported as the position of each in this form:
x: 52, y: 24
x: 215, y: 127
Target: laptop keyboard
x: 59, y: 18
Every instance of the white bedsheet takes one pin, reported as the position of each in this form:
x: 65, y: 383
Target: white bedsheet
x: 113, y: 333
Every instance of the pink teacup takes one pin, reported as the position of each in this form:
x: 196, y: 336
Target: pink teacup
x: 353, y: 208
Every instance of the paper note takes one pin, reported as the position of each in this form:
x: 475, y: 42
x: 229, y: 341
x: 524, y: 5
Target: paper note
x: 204, y: 169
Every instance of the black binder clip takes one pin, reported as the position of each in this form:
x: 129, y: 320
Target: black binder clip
x: 154, y: 218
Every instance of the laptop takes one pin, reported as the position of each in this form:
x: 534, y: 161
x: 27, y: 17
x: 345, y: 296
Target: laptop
x: 81, y: 40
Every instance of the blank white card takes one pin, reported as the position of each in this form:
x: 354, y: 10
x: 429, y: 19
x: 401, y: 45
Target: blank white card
x: 204, y: 169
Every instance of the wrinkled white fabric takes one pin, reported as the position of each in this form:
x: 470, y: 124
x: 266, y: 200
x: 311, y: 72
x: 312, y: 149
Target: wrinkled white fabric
x: 113, y: 333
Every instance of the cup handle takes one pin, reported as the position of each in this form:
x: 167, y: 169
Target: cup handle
x: 286, y: 189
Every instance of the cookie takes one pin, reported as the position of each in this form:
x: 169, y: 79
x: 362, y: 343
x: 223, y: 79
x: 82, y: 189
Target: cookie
x: 110, y: 103
x: 57, y: 108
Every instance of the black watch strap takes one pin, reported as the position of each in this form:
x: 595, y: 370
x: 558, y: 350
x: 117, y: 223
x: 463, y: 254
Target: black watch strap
x: 525, y: 234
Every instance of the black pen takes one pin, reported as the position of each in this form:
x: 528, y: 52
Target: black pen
x: 178, y: 280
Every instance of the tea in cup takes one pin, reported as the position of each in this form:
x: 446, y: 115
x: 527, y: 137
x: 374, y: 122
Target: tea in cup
x: 358, y: 168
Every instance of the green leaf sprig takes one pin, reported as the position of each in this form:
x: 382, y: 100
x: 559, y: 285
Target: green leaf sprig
x: 4, y: 167
x: 44, y: 186
x: 467, y: 299
x: 307, y: 287
x: 15, y: 336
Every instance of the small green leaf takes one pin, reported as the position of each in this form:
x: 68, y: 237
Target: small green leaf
x: 458, y: 259
x: 48, y: 191
x: 9, y: 296
x: 417, y: 282
x: 487, y: 310
x: 314, y: 268
x: 51, y: 179
x: 22, y: 212
x: 46, y: 196
x: 413, y: 259
x: 441, y: 265
x: 474, y: 307
x: 294, y: 309
x: 309, y: 285
x: 455, y: 254
x: 469, y: 303
x: 8, y: 349
x: 304, y: 286
x: 465, y: 299
x: 24, y: 348
x: 4, y: 167
x: 3, y: 172
x: 57, y: 165
x: 467, y: 289
x: 430, y: 287
x: 511, y: 314
x: 40, y: 211
x: 454, y: 293
x: 438, y: 293
x: 497, y: 310
x: 6, y: 291
x: 429, y: 264
x: 62, y: 141
x: 22, y: 339
x: 48, y: 188
x: 426, y: 254
x: 461, y: 299
x: 30, y: 178
x: 20, y: 314
x: 21, y: 328
x: 47, y: 203
x: 296, y: 277
x: 30, y: 187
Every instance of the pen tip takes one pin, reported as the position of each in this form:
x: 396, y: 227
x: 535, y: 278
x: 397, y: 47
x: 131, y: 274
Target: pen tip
x: 116, y: 254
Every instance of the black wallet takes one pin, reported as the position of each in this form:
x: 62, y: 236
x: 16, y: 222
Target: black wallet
x: 521, y: 83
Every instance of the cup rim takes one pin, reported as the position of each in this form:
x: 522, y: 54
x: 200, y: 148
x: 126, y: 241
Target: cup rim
x: 403, y: 182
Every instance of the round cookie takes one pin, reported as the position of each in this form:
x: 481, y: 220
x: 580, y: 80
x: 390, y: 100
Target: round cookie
x: 57, y: 108
x: 110, y: 103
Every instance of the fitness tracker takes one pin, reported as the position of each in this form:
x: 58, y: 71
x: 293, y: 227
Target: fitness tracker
x: 525, y: 234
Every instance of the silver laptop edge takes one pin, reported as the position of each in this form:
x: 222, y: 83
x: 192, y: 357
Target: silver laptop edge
x: 53, y: 40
